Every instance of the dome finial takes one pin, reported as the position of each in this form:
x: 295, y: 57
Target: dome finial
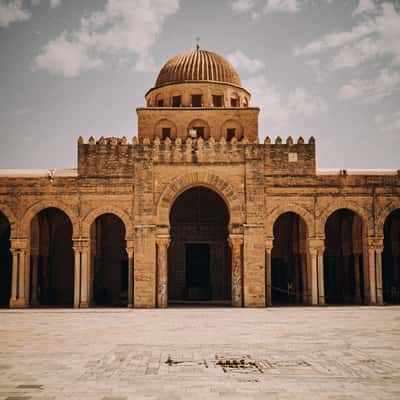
x: 197, y: 43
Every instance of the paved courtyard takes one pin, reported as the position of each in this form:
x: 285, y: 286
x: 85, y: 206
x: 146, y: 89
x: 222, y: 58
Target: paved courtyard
x: 201, y: 353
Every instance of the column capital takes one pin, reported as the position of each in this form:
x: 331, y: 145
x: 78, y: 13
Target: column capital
x: 80, y: 244
x: 163, y: 241
x: 316, y: 244
x: 18, y: 244
x: 235, y: 240
x: 269, y: 243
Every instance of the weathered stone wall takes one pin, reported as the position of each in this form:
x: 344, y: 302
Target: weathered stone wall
x: 139, y: 182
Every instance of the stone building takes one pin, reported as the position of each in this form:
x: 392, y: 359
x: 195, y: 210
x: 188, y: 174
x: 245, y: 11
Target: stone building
x: 195, y: 209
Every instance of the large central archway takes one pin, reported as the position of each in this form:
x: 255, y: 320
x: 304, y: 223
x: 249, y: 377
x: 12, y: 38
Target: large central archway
x: 199, y: 257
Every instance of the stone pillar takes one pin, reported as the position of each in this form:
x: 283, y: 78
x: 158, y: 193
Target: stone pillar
x: 145, y: 267
x: 84, y: 303
x: 379, y: 283
x: 77, y: 276
x: 372, y: 273
x: 20, y: 252
x: 81, y: 273
x: 236, y: 242
x: 321, y: 283
x: 357, y: 280
x: 162, y: 271
x: 314, y: 276
x: 268, y: 271
x: 130, y: 253
x: 14, y: 279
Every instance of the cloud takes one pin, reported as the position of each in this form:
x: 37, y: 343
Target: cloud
x: 364, y: 6
x: 389, y: 123
x: 12, y: 11
x: 242, y: 62
x: 375, y: 36
x: 55, y: 3
x: 240, y: 6
x: 35, y: 3
x: 123, y: 28
x: 371, y: 90
x: 280, y: 109
x: 288, y: 6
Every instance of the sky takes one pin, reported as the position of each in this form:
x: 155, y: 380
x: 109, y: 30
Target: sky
x: 323, y: 68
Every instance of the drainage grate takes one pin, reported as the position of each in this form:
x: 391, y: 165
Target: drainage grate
x: 238, y: 364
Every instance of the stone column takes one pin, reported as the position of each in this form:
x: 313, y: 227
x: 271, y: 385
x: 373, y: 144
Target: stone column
x: 321, y: 283
x: 314, y: 276
x: 379, y: 283
x: 357, y: 281
x: 130, y: 253
x: 162, y: 271
x: 236, y: 242
x: 14, y: 280
x: 77, y: 275
x: 84, y: 303
x: 268, y: 271
x: 19, y: 251
x: 372, y: 273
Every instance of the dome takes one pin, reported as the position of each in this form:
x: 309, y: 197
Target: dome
x: 198, y: 65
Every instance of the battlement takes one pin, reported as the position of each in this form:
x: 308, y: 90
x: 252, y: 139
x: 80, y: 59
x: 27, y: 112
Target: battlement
x: 290, y: 158
x: 116, y: 156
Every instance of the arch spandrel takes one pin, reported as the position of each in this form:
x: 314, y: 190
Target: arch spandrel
x: 36, y: 208
x: 211, y: 181
x: 12, y: 220
x: 383, y: 213
x: 91, y: 216
x: 363, y: 213
x: 273, y: 216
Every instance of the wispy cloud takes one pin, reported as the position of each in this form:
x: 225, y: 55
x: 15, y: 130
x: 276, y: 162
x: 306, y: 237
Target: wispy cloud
x: 12, y: 11
x: 241, y: 61
x: 371, y: 90
x: 290, y: 6
x: 123, y: 28
x: 388, y: 123
x: 279, y: 109
x: 55, y: 3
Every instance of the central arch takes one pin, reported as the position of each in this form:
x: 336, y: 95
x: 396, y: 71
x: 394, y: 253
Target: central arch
x: 199, y: 257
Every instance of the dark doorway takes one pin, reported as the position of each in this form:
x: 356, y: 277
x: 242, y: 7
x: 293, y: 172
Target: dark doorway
x: 198, y: 271
x: 391, y: 259
x: 343, y: 258
x: 199, y: 257
x: 109, y: 262
x: 289, y: 260
x: 5, y: 262
x: 52, y: 259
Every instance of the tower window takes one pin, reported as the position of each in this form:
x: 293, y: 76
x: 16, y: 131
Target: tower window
x: 160, y: 103
x: 217, y: 101
x: 199, y: 131
x: 176, y: 101
x: 230, y: 134
x: 166, y: 133
x: 196, y: 100
x: 234, y: 102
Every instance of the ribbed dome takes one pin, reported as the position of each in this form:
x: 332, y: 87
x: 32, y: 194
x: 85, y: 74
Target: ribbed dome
x: 198, y: 65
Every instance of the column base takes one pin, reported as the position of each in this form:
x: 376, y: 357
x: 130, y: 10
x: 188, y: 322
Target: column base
x: 84, y: 305
x: 19, y: 303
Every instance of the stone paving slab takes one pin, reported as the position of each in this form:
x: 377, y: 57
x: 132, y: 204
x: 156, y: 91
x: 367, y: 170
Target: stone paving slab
x: 201, y: 353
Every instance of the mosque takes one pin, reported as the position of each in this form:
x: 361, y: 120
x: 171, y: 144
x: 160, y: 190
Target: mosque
x: 195, y: 210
